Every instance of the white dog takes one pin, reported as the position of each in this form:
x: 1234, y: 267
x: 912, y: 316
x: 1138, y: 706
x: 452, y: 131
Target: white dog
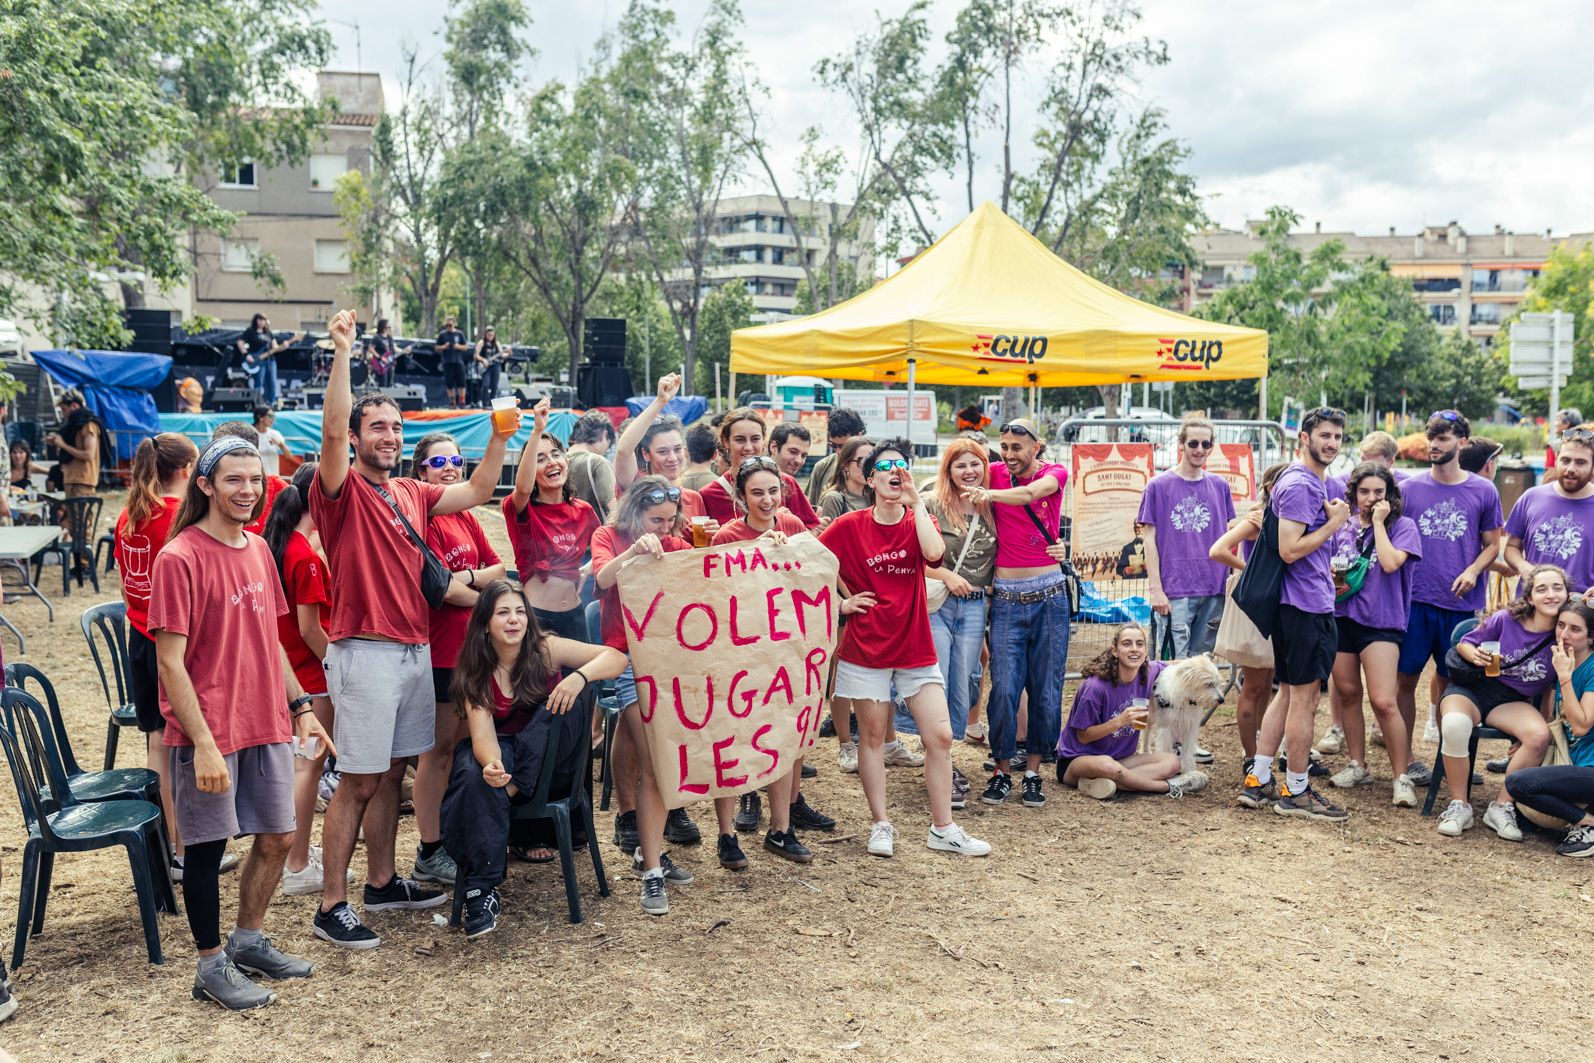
x: 1183, y: 694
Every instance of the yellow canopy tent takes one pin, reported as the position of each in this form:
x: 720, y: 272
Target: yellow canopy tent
x: 988, y: 304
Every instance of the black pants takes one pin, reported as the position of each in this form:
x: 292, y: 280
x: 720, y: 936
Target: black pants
x: 1564, y: 791
x: 489, y: 384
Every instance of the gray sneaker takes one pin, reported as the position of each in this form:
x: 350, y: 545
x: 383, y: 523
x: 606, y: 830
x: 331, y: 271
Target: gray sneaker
x: 440, y: 868
x: 227, y: 986
x: 655, y: 899
x: 265, y: 959
x: 1308, y: 805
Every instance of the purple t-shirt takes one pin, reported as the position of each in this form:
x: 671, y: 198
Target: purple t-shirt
x: 1452, y: 520
x: 1530, y: 677
x: 1098, y: 701
x: 1385, y: 598
x: 1298, y: 495
x: 1189, y: 515
x: 1019, y: 544
x: 1554, y: 531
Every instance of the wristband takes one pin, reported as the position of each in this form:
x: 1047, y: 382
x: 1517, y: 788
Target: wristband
x: 470, y: 574
x: 583, y: 675
x: 302, y: 699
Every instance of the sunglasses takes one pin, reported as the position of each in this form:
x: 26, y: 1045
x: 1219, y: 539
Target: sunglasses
x: 1329, y: 412
x: 1199, y: 444
x: 1019, y: 429
x: 757, y: 461
x: 1578, y: 435
x: 659, y: 496
x: 887, y: 464
x: 438, y: 461
x: 1446, y: 415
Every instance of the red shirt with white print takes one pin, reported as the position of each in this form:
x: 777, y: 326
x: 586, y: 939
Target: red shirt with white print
x: 376, y: 567
x: 886, y: 560
x: 135, y: 557
x: 739, y: 531
x: 459, y: 543
x: 550, y: 540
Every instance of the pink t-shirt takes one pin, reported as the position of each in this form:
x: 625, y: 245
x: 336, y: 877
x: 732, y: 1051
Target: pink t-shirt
x: 1019, y: 544
x: 375, y: 565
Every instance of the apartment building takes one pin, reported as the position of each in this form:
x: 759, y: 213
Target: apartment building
x: 1471, y: 281
x: 759, y: 249
x: 289, y: 215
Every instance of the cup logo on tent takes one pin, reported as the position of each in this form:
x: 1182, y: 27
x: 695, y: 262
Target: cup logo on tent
x: 1009, y: 350
x: 1189, y: 354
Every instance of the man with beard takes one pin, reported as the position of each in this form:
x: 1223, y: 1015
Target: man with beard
x: 1305, y: 637
x: 1029, y: 610
x: 788, y: 445
x: 1458, y: 517
x: 1550, y: 524
x: 79, y: 443
x: 378, y: 660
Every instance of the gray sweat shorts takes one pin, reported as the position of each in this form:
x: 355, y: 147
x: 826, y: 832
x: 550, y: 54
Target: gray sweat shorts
x: 259, y: 801
x: 382, y: 701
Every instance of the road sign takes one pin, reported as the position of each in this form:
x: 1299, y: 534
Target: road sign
x: 1541, y: 353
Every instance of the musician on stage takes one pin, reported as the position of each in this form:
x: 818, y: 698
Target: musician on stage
x: 489, y: 360
x: 258, y: 348
x: 381, y: 354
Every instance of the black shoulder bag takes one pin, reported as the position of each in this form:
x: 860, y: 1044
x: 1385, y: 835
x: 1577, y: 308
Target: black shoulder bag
x: 1463, y: 671
x: 1261, y: 584
x: 435, y: 577
x: 1070, y: 577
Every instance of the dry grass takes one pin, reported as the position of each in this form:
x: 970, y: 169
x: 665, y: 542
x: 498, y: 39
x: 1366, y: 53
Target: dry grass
x: 1136, y: 930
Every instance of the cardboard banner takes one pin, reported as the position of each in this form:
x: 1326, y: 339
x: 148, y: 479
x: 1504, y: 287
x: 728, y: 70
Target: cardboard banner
x: 1236, y: 463
x: 730, y: 647
x: 1108, y: 480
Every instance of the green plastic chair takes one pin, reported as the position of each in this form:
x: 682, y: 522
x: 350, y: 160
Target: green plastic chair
x: 75, y: 828
x: 113, y: 785
x: 105, y: 630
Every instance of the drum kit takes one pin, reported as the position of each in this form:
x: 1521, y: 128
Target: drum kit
x: 321, y: 363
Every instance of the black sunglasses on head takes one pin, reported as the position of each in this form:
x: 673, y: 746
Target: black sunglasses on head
x: 1017, y: 429
x: 757, y: 461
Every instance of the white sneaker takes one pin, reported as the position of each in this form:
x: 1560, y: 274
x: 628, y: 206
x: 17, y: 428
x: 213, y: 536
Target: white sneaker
x: 882, y: 839
x: 1375, y: 735
x: 847, y: 757
x: 1405, y: 793
x: 1190, y: 781
x: 305, y: 880
x: 1352, y: 774
x: 1100, y: 789
x: 1456, y: 818
x: 954, y: 839
x: 1430, y: 733
x: 898, y: 755
x: 1333, y: 741
x: 1501, y: 817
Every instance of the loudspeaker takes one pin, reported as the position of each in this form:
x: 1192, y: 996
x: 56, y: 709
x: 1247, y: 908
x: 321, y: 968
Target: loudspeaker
x: 234, y: 400
x: 410, y: 397
x: 152, y: 330
x: 603, y: 340
x: 603, y: 385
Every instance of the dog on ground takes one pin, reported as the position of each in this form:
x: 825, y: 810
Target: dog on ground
x: 1184, y: 693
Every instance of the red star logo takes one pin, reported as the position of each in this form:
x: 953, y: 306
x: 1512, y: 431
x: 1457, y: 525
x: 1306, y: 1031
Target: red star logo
x: 982, y: 343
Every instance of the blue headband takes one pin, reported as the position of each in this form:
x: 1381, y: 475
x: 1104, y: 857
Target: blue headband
x: 220, y: 448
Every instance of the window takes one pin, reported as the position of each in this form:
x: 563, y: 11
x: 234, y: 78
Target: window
x: 325, y: 171
x: 332, y: 256
x: 1443, y: 313
x: 1487, y: 313
x: 238, y: 256
x: 239, y: 176
x: 1436, y: 284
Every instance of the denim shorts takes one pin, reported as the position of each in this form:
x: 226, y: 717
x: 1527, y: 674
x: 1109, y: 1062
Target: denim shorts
x: 625, y: 687
x: 858, y: 683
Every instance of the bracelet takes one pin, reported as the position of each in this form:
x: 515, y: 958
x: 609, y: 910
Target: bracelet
x: 470, y: 574
x: 583, y: 675
x: 302, y: 699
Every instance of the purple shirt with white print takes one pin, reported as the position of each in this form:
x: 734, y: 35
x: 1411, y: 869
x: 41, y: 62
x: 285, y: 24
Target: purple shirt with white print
x: 1098, y: 701
x: 1298, y: 495
x: 1452, y: 520
x: 1529, y: 677
x: 1189, y: 516
x: 1385, y: 598
x: 1556, y: 530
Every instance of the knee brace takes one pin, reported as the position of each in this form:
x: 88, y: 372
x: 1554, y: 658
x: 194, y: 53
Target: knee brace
x: 1455, y: 734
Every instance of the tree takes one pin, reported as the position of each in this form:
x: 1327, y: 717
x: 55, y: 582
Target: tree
x: 365, y: 222
x: 726, y: 309
x: 681, y: 133
x: 109, y: 115
x: 1566, y: 283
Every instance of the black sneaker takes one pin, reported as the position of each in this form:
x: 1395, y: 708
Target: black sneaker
x: 786, y: 845
x: 679, y: 828
x: 1579, y: 842
x: 401, y: 894
x: 1317, y: 769
x: 827, y: 729
x: 341, y: 926
x: 678, y: 875
x: 731, y: 856
x: 998, y: 788
x: 808, y: 817
x: 749, y: 810
x: 1496, y: 766
x: 626, y: 838
x: 960, y: 791
x: 481, y: 912
x: 809, y: 771
x: 1034, y: 797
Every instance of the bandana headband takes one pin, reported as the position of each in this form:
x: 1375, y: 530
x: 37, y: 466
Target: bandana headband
x: 220, y: 448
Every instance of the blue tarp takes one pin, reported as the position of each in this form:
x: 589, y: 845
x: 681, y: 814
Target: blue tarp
x: 302, y: 429
x: 116, y: 386
x: 687, y: 407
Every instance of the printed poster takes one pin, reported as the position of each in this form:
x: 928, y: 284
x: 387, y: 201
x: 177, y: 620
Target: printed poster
x: 1108, y: 480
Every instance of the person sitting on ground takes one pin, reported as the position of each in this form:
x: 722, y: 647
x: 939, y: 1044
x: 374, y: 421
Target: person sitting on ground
x: 1096, y: 750
x: 1519, y: 639
x: 506, y: 676
x: 1566, y: 791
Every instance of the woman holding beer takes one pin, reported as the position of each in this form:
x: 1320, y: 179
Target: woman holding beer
x: 1096, y: 750
x: 1512, y: 648
x: 1566, y: 791
x: 653, y: 444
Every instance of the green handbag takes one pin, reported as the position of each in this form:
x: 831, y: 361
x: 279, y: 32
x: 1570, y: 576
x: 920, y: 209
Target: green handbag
x: 1356, y: 575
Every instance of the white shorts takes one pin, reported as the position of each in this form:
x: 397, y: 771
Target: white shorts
x: 855, y: 682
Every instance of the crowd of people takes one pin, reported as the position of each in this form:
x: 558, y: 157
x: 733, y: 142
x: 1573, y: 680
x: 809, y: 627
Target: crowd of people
x: 319, y: 641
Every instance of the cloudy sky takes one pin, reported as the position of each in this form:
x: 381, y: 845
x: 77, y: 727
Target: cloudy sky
x: 1359, y: 114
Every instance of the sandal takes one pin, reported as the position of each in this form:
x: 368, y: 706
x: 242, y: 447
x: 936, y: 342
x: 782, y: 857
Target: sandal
x: 521, y: 854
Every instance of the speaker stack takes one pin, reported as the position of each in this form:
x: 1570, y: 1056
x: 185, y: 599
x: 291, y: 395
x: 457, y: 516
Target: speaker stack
x: 152, y: 334
x: 233, y: 400
x: 603, y: 380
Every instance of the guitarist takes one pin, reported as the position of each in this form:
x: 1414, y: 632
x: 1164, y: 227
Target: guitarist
x: 258, y: 347
x: 489, y: 359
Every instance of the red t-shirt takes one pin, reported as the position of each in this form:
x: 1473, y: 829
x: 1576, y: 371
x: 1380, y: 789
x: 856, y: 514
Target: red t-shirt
x: 739, y: 531
x: 607, y: 545
x: 550, y: 540
x: 274, y: 486
x: 720, y: 502
x: 509, y: 718
x: 459, y: 543
x: 304, y: 582
x: 376, y: 568
x: 884, y: 559
x: 226, y: 600
x: 135, y: 557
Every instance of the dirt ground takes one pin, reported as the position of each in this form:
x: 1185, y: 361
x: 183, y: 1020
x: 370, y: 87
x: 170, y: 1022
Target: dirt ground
x: 1140, y: 929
